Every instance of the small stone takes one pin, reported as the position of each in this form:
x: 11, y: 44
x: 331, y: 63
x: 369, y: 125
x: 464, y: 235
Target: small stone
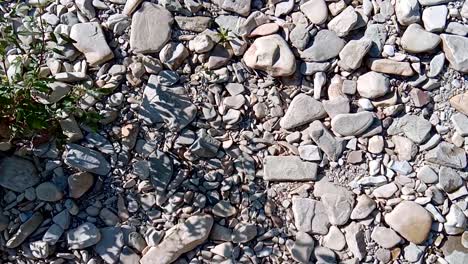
x: 454, y: 251
x: 302, y: 248
x: 413, y: 127
x: 338, y: 207
x: 449, y: 179
x: 243, y: 233
x: 110, y: 245
x: 405, y: 148
x: 391, y: 67
x: 385, y: 191
x: 373, y: 85
x: 17, y: 174
x: 299, y: 36
x: 264, y: 30
x: 288, y: 168
x: 460, y: 102
x: 241, y: 7
x: 184, y: 237
x: 413, y: 253
x: 223, y: 249
x: 90, y: 40
x: 407, y: 12
x: 352, y: 124
x: 343, y: 23
x: 149, y: 35
x: 353, y: 52
x: 310, y: 216
x: 48, y: 192
x: 455, y: 49
x: 405, y: 216
x: 316, y: 11
x: 427, y: 175
x: 86, y: 159
x: 302, y: 110
x: 416, y: 40
x: 79, y: 183
x: 460, y: 122
x: 447, y: 154
x: 201, y: 43
x: 224, y: 209
x: 456, y: 221
x: 271, y: 54
x: 324, y: 255
x: 334, y: 239
x: 355, y: 240
x: 310, y: 153
x: 25, y: 230
x: 363, y: 208
x: 173, y: 55
x: 331, y: 146
x: 385, y: 237
x: 376, y: 144
x: 435, y: 18
x: 326, y: 45
x: 40, y: 249
x: 83, y: 236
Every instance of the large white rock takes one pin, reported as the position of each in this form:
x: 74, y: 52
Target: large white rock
x: 271, y: 54
x: 151, y: 28
x: 91, y: 41
x: 180, y: 239
x: 435, y: 18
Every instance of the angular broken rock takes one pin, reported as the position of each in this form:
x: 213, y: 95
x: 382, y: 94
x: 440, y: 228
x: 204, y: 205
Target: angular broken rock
x: 289, y: 168
x: 407, y: 12
x: 331, y: 146
x: 110, y: 245
x: 17, y: 174
x: 180, y: 239
x: 148, y: 34
x: 26, y: 229
x: 89, y: 39
x: 413, y: 127
x: 272, y: 55
x: 352, y: 124
x: 338, y: 207
x: 363, y: 208
x: 79, y: 183
x: 456, y: 51
x: 86, y: 159
x: 302, y: 248
x: 316, y: 11
x: 343, y: 23
x: 447, y: 154
x: 302, y: 110
x: 310, y: 216
x: 411, y: 221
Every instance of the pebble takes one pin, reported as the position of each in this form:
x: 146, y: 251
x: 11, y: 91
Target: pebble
x: 373, y: 85
x: 302, y: 110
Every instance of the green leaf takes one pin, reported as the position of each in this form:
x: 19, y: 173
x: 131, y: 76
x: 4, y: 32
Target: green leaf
x: 67, y: 38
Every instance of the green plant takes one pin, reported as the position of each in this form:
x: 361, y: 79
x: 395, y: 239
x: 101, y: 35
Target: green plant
x: 25, y: 45
x: 223, y: 35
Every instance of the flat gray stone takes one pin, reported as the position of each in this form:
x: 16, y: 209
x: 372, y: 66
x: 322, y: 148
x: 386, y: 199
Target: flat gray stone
x: 413, y: 127
x: 302, y: 248
x: 326, y: 45
x: 25, y: 230
x: 302, y: 110
x: 460, y: 122
x: 17, y: 174
x: 353, y: 52
x: 449, y: 179
x: 352, y: 124
x: 86, y: 159
x: 385, y: 237
x: 447, y: 154
x: 310, y: 216
x: 454, y: 251
x: 427, y: 175
x: 343, y: 23
x: 288, y: 168
x: 363, y: 208
x: 149, y: 35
